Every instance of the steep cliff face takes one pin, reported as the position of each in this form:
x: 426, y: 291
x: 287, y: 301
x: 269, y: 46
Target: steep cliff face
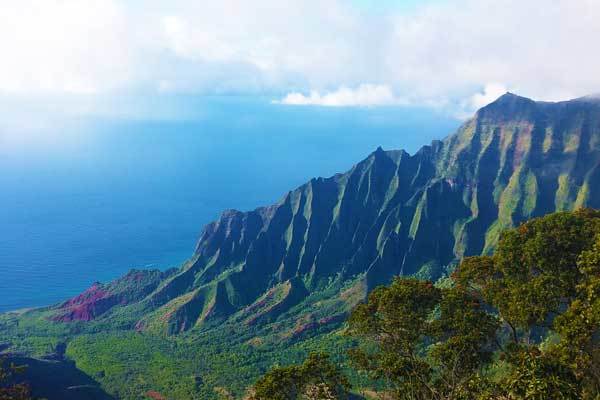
x: 518, y: 159
x: 393, y: 213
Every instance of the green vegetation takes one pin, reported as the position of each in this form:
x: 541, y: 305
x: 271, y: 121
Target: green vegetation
x: 316, y: 379
x: 423, y: 341
x: 191, y: 365
x: 265, y: 288
x: 523, y: 323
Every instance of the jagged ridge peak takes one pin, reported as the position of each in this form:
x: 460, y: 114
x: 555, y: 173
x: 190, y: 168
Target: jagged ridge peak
x: 512, y: 97
x: 509, y: 106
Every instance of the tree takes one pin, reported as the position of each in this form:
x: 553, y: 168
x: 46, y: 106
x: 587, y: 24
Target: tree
x: 425, y: 342
x: 394, y: 321
x: 465, y: 342
x: 538, y: 376
x: 579, y: 326
x: 523, y: 323
x: 543, y: 281
x: 533, y: 275
x: 316, y: 379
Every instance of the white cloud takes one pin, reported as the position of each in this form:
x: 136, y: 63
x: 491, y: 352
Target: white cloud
x: 537, y: 48
x: 63, y: 46
x: 363, y: 95
x: 444, y: 53
x: 490, y: 93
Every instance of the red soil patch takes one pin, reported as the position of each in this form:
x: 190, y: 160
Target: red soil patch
x: 87, y: 306
x: 155, y: 395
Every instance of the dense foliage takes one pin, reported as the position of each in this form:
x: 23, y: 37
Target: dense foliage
x: 542, y: 282
x: 427, y: 342
x: 521, y: 324
x: 316, y: 379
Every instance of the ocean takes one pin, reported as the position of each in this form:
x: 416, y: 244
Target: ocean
x: 92, y: 197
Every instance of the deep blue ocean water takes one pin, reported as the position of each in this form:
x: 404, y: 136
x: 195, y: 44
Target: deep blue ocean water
x: 94, y: 197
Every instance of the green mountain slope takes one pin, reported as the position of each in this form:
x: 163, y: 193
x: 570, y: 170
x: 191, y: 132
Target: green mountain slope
x: 391, y: 214
x: 293, y: 270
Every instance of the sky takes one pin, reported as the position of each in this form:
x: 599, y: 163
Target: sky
x: 87, y: 57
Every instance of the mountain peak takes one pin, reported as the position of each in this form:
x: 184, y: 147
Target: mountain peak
x: 510, y: 95
x: 508, y: 106
x: 509, y: 98
x: 378, y: 154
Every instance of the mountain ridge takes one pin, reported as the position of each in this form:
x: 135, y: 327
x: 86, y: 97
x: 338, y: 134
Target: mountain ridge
x: 266, y: 285
x: 392, y: 213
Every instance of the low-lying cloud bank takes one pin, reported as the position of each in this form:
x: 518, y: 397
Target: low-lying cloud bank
x: 363, y: 95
